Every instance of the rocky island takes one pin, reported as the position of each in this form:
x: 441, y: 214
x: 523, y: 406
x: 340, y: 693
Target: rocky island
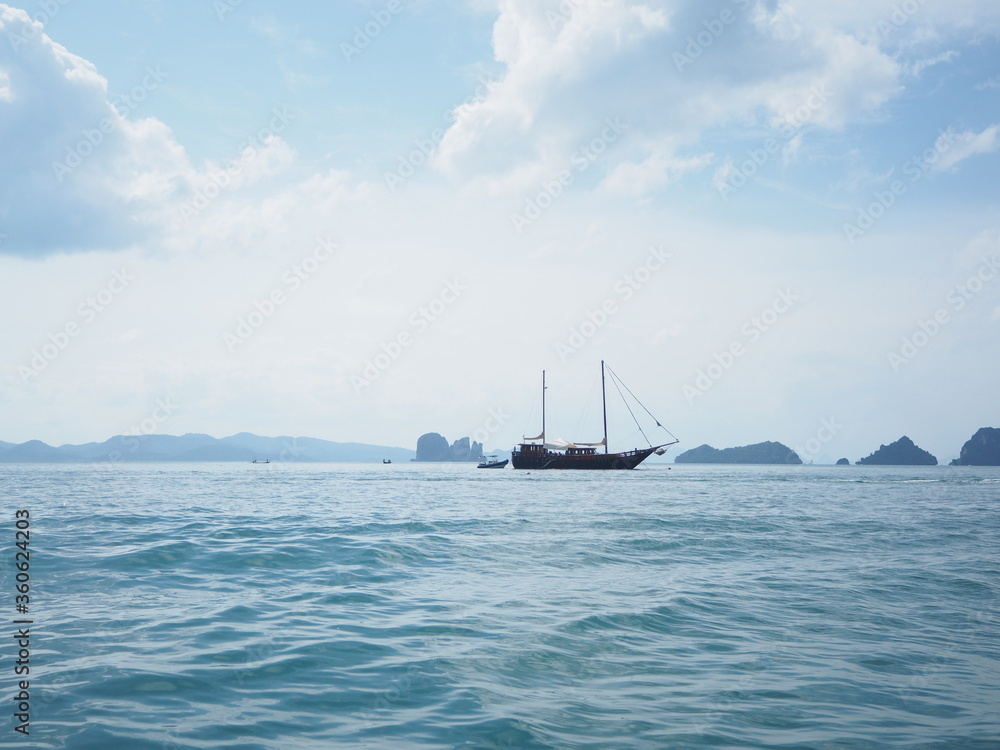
x: 758, y: 453
x: 982, y: 449
x: 901, y: 453
x: 434, y: 447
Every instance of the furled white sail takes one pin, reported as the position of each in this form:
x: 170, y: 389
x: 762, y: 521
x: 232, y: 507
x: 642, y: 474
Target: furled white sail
x: 560, y: 445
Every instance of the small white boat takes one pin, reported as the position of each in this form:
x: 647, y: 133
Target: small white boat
x: 491, y: 462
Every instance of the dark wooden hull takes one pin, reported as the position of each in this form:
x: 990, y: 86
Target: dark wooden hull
x: 598, y: 461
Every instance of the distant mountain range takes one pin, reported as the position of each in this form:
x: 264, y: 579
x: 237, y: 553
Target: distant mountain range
x: 195, y: 447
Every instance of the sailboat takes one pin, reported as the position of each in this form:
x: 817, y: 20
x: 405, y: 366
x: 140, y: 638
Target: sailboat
x: 535, y: 453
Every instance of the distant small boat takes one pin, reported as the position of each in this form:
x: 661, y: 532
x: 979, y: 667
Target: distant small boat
x: 255, y: 461
x: 491, y: 462
x: 386, y: 461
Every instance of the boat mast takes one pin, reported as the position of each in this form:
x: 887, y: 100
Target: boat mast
x: 543, y: 408
x: 604, y: 408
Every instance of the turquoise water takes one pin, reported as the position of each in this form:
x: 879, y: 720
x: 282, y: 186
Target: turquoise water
x: 437, y: 606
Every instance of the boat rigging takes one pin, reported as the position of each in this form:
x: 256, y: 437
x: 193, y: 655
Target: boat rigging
x: 536, y: 453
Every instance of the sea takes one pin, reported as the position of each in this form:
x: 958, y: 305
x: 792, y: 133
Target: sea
x: 411, y: 606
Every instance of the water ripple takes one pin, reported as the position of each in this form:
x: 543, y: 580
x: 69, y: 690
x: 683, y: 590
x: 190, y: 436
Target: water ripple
x: 204, y: 606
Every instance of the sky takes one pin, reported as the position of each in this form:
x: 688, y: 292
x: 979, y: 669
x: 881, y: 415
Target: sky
x: 364, y: 221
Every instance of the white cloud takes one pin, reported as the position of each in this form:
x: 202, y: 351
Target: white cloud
x: 956, y: 147
x: 529, y: 115
x: 664, y: 334
x: 895, y: 23
x: 920, y: 66
x: 783, y: 68
x: 83, y: 176
x: 835, y: 80
x: 656, y: 171
x: 86, y: 176
x: 790, y: 151
x: 723, y: 174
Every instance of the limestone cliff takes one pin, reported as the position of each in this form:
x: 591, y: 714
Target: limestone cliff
x: 901, y: 453
x: 434, y: 447
x: 982, y: 449
x: 758, y: 453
